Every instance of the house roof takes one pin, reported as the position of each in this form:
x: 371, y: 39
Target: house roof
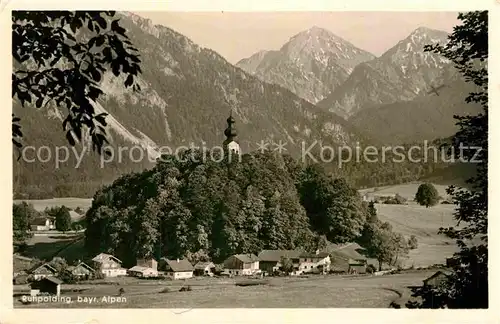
x: 54, y: 280
x: 20, y: 263
x: 23, y: 258
x: 48, y: 266
x: 39, y: 221
x: 139, y: 268
x: 204, y: 265
x: 101, y: 257
x: 276, y: 255
x: 247, y: 258
x: 320, y: 255
x: 357, y: 262
x: 179, y: 265
x: 439, y: 272
x: 82, y: 264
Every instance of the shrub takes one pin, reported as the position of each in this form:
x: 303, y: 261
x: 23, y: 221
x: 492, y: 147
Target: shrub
x: 371, y: 268
x: 165, y: 290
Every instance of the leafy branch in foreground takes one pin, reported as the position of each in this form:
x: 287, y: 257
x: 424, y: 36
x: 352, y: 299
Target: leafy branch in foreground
x: 60, y: 57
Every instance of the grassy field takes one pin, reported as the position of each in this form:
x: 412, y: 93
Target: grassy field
x: 73, y: 203
x: 46, y: 247
x: 315, y: 291
x: 424, y: 223
x: 406, y: 190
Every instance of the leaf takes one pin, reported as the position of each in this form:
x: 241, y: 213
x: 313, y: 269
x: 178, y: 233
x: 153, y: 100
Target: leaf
x: 70, y: 138
x: 101, y: 118
x: 39, y: 102
x: 116, y: 69
x: 73, y: 26
x: 101, y: 21
x: 129, y: 81
x: 67, y: 120
x: 114, y: 24
x: 100, y: 40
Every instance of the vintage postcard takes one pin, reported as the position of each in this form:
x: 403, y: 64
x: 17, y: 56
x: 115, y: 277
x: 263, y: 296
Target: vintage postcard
x: 236, y: 159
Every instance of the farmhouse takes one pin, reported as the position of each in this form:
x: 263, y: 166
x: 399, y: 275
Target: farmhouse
x: 357, y: 266
x: 44, y: 271
x: 270, y: 260
x: 204, y: 269
x: 437, y: 278
x: 108, y: 265
x: 242, y: 264
x: 20, y: 279
x: 148, y: 263
x: 81, y: 271
x: 142, y: 272
x: 43, y: 224
x: 318, y: 262
x: 21, y: 265
x: 50, y: 285
x: 177, y: 269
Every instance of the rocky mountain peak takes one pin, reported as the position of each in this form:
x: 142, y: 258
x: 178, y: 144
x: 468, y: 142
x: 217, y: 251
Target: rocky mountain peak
x: 311, y: 64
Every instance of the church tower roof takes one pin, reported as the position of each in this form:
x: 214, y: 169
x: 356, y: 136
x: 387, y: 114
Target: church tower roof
x: 230, y: 131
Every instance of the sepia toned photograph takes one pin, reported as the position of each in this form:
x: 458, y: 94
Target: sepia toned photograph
x: 250, y: 159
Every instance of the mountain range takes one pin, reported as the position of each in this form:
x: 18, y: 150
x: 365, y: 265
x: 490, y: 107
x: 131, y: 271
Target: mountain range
x: 187, y: 94
x: 317, y: 87
x: 310, y: 64
x: 386, y: 98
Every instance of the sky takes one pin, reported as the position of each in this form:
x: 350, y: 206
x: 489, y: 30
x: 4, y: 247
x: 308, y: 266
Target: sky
x: 238, y: 35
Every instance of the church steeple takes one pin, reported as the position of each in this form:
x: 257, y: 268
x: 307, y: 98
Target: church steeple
x: 230, y: 144
x: 230, y: 131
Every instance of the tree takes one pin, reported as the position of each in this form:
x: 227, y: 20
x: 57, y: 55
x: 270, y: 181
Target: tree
x: 60, y: 57
x: 372, y: 213
x: 22, y: 216
x: 332, y: 205
x: 412, y: 242
x: 427, y: 195
x: 286, y: 265
x: 63, y: 219
x: 467, y: 286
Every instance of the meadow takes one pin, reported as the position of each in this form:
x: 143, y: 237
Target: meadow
x: 277, y: 292
x: 316, y: 291
x: 410, y: 219
x: 70, y: 202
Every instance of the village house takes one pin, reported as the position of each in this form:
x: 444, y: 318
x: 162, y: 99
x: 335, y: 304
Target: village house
x: 108, y: 265
x: 20, y: 279
x: 21, y: 265
x: 357, y: 266
x: 242, y: 265
x: 44, y: 271
x: 142, y: 272
x: 437, y: 278
x: 81, y: 271
x: 148, y: 263
x: 145, y: 268
x: 204, y: 269
x: 43, y: 224
x: 50, y: 285
x: 318, y: 262
x: 177, y: 269
x: 270, y: 260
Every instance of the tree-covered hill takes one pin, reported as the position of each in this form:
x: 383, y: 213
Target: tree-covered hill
x: 215, y: 209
